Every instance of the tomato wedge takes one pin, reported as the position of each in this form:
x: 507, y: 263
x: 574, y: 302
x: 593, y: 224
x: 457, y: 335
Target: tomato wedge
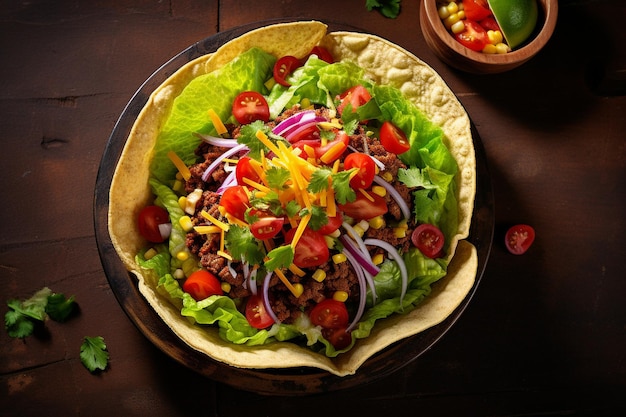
x: 339, y: 338
x: 333, y: 224
x: 267, y: 227
x: 330, y: 314
x: 366, y: 169
x: 362, y: 208
x: 519, y: 238
x: 476, y: 9
x: 250, y: 106
x: 150, y: 217
x: 474, y: 36
x: 284, y: 67
x: 235, y: 201
x: 311, y: 250
x: 355, y: 97
x: 322, y: 53
x: 202, y: 284
x: 429, y: 240
x: 393, y: 139
x: 489, y: 23
x: 245, y: 170
x: 256, y: 313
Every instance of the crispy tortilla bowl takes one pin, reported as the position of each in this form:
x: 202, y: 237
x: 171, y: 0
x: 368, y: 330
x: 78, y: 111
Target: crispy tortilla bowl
x: 384, y: 63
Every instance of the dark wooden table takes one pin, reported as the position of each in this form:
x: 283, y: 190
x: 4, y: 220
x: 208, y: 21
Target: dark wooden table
x: 545, y: 333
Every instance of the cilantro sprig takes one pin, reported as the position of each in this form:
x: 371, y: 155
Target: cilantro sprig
x: 388, y: 8
x: 322, y: 178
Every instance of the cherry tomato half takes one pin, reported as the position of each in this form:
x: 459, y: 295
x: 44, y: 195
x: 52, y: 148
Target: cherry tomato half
x: 284, y: 67
x: 519, y: 238
x: 322, y: 53
x: 333, y: 224
x: 429, y: 240
x: 267, y: 227
x: 366, y: 169
x: 245, y: 170
x: 311, y: 250
x: 362, y: 208
x: 235, y: 201
x: 355, y: 96
x: 476, y: 9
x: 256, y: 313
x: 339, y: 338
x: 250, y: 106
x: 150, y: 217
x: 393, y: 139
x: 474, y: 36
x: 202, y: 284
x: 330, y: 314
x: 489, y: 23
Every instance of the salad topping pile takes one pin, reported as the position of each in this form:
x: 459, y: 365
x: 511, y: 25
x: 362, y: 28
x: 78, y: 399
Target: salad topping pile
x: 320, y: 205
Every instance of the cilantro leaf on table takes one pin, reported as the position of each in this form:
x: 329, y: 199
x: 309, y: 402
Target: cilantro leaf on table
x: 93, y: 353
x: 388, y: 8
x: 59, y: 307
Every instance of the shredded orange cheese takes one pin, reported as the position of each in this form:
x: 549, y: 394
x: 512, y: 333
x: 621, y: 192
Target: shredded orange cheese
x: 179, y: 164
x: 217, y: 122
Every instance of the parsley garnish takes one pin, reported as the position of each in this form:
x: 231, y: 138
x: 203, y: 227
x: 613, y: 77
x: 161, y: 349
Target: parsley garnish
x: 93, y: 353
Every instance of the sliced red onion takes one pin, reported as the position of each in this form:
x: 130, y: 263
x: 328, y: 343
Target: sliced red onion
x: 218, y: 141
x: 291, y: 121
x: 252, y: 281
x: 355, y: 236
x: 363, y: 264
x: 362, y: 257
x: 404, y: 207
x: 362, y: 291
x: 215, y: 164
x: 165, y: 229
x: 393, y: 252
x: 266, y: 299
x: 229, y: 181
x: 232, y: 271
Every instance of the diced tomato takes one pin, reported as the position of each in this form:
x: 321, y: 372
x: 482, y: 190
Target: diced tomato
x: 256, y: 313
x: 429, y: 240
x: 333, y: 224
x: 393, y: 139
x: 476, y: 9
x: 235, y: 201
x: 150, y: 217
x: 330, y: 314
x: 362, y: 208
x: 284, y: 67
x: 519, y: 238
x: 474, y: 36
x: 202, y: 284
x: 245, y: 170
x: 250, y: 106
x: 339, y: 338
x: 322, y: 53
x: 267, y: 227
x: 342, y: 140
x: 366, y: 169
x: 311, y: 250
x: 355, y: 97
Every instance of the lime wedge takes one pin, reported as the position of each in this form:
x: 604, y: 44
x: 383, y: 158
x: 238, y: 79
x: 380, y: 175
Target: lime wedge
x: 516, y: 18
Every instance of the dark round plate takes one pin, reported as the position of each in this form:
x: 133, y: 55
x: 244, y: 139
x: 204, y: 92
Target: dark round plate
x: 293, y: 381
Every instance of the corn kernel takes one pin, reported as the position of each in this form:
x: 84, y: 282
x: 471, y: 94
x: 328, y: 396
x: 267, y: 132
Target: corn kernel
x: 182, y: 202
x: 378, y: 259
x: 225, y: 287
x: 399, y: 232
x: 178, y: 187
x: 443, y: 12
x: 186, y: 223
x: 298, y: 289
x: 450, y: 20
x: 179, y: 273
x: 458, y: 27
x: 379, y: 190
x: 335, y: 234
x: 364, y: 224
x: 330, y: 242
x: 387, y: 176
x: 377, y: 222
x: 502, y: 48
x: 461, y: 12
x: 182, y: 255
x: 319, y: 275
x: 150, y: 253
x: 341, y: 296
x: 305, y: 103
x: 339, y: 258
x: 495, y: 36
x: 453, y: 7
x: 489, y: 49
x: 358, y: 230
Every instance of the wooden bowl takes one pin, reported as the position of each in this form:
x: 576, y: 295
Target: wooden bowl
x: 450, y: 51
